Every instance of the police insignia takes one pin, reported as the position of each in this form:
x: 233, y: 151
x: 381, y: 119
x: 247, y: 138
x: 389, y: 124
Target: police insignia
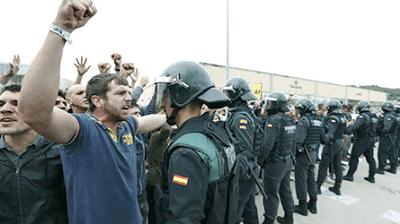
x: 180, y: 180
x: 269, y: 125
x: 243, y: 121
x: 242, y: 127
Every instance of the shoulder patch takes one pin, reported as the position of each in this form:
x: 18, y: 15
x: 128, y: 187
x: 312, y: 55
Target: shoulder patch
x: 180, y: 180
x: 243, y: 121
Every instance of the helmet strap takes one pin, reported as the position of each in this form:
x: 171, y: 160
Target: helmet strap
x: 171, y: 120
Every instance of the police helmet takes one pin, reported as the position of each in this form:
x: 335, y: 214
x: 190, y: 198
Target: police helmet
x: 362, y: 106
x: 276, y: 102
x: 333, y: 106
x: 304, y: 106
x: 237, y: 88
x: 185, y: 82
x: 387, y: 106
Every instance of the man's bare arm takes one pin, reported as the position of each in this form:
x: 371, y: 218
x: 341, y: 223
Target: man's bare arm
x: 40, y: 85
x: 150, y: 122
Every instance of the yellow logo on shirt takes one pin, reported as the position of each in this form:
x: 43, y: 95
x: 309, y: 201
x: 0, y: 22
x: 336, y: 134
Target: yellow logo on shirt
x: 128, y: 139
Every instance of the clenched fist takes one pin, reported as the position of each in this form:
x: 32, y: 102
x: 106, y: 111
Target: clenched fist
x: 73, y: 14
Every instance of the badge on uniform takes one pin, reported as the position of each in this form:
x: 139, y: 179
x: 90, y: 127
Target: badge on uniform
x: 180, y: 180
x: 242, y: 123
x: 269, y: 125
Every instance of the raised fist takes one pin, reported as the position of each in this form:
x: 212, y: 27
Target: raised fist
x: 104, y: 68
x: 128, y: 69
x: 117, y: 58
x: 73, y: 14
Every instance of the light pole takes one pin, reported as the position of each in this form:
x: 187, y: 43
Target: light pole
x: 227, y: 40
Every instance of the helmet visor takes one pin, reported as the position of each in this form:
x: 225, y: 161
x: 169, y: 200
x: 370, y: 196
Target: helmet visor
x: 160, y: 92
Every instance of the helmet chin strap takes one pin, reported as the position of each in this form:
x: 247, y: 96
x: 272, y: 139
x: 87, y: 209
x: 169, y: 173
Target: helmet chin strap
x: 171, y: 120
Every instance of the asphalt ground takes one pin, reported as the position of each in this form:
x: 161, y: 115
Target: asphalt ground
x: 360, y: 203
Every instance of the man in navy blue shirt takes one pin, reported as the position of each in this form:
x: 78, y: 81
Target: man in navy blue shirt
x: 99, y: 156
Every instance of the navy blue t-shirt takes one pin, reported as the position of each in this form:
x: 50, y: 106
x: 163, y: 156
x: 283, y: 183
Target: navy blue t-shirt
x: 100, y: 174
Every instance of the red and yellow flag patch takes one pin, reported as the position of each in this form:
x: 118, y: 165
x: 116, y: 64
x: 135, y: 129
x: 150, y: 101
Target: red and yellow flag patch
x: 180, y: 180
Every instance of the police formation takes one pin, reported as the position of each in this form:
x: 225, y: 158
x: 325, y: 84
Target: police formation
x: 213, y: 167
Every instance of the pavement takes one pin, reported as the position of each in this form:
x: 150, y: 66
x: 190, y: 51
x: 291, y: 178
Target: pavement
x: 360, y: 203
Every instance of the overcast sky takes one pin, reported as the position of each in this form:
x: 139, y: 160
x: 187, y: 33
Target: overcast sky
x: 351, y: 42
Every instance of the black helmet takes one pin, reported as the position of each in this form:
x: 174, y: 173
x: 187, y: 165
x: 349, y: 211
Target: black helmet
x: 387, y: 106
x: 304, y: 106
x: 363, y: 106
x: 333, y: 106
x: 186, y: 81
x: 236, y: 88
x: 397, y: 108
x: 276, y: 102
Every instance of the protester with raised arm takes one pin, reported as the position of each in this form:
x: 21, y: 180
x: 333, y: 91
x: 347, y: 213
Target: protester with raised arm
x: 99, y: 155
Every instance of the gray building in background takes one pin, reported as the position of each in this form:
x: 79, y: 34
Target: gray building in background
x: 295, y: 87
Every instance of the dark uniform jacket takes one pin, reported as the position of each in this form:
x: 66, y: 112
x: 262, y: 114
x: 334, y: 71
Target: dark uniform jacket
x: 32, y: 186
x: 190, y: 191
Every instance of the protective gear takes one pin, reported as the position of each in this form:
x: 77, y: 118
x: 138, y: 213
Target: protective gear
x: 313, y: 136
x: 276, y: 102
x: 304, y: 106
x: 184, y: 82
x: 333, y: 106
x: 387, y: 107
x: 236, y: 88
x: 363, y: 106
x: 285, y: 143
x: 209, y: 143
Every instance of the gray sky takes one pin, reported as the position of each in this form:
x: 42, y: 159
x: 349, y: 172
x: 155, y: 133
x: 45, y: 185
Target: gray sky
x: 354, y: 42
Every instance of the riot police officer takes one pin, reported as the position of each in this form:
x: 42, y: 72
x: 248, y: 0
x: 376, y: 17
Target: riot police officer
x: 195, y: 172
x: 335, y: 126
x: 242, y: 124
x: 364, y: 141
x: 387, y: 139
x: 309, y: 134
x: 279, y: 144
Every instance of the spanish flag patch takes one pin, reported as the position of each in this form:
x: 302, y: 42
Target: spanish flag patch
x: 180, y: 180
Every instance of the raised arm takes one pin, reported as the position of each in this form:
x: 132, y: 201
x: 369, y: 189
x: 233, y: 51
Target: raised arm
x: 81, y: 68
x: 12, y: 71
x: 40, y: 85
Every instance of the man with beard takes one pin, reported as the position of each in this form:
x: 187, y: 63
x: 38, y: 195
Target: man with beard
x: 99, y: 155
x: 31, y: 187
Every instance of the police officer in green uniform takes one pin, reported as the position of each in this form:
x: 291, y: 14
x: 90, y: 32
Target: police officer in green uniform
x: 279, y: 145
x: 241, y: 122
x: 309, y: 134
x: 335, y: 126
x: 387, y: 139
x: 364, y: 140
x: 196, y: 172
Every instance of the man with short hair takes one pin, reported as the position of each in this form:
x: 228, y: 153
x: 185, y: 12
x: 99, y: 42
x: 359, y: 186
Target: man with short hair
x: 61, y: 102
x: 99, y: 155
x: 32, y: 186
x: 76, y: 97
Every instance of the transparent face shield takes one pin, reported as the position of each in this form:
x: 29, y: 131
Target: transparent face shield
x: 161, y: 91
x: 229, y: 91
x: 270, y: 103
